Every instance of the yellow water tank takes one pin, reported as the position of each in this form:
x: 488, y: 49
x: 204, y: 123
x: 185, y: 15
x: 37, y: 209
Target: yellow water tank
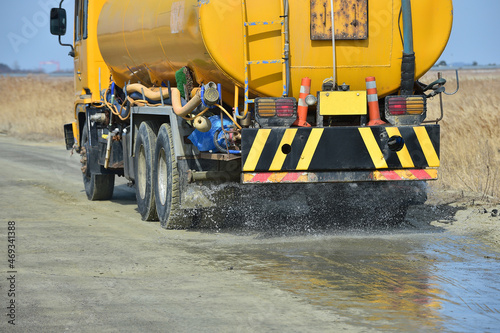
x: 148, y: 40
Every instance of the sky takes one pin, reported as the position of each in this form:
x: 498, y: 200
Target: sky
x: 25, y: 40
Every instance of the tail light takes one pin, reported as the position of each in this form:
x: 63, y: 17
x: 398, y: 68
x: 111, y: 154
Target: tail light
x: 265, y: 107
x: 405, y: 110
x: 285, y: 107
x: 413, y: 105
x: 396, y: 106
x: 270, y: 111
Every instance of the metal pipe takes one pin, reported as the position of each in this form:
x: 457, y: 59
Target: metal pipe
x: 440, y: 75
x: 236, y: 98
x: 333, y: 44
x: 407, y: 26
x: 408, y: 61
x: 108, y: 143
x: 458, y: 84
x: 100, y: 89
x: 287, y: 48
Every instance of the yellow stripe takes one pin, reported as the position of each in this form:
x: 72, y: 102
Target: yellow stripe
x: 304, y: 178
x: 373, y: 148
x: 427, y: 147
x: 405, y: 174
x: 277, y: 177
x: 247, y: 177
x: 309, y: 149
x: 433, y: 173
x: 257, y: 146
x: 403, y: 154
x: 279, y: 158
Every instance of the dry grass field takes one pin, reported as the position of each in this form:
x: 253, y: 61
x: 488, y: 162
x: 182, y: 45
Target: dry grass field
x: 36, y: 107
x: 470, y: 132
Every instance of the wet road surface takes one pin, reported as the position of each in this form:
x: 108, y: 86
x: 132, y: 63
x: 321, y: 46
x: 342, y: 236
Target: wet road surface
x: 95, y: 264
x: 410, y: 280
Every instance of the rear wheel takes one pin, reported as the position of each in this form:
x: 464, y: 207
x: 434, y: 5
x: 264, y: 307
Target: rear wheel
x: 168, y: 190
x: 98, y: 186
x: 144, y: 169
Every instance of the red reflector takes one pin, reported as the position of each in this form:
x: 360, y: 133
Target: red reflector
x: 284, y: 107
x: 397, y: 106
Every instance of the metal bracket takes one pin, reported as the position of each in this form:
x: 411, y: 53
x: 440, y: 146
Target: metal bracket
x: 458, y: 85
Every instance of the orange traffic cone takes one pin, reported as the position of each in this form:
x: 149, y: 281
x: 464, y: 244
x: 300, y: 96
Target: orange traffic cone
x: 372, y: 96
x: 305, y: 88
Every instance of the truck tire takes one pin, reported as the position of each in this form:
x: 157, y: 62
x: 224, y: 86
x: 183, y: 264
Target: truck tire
x: 144, y: 169
x: 98, y: 186
x: 168, y: 190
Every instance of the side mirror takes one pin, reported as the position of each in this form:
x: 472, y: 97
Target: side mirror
x: 58, y: 25
x: 58, y: 21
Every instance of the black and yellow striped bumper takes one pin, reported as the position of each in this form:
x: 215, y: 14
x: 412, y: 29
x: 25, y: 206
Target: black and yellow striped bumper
x: 339, y: 149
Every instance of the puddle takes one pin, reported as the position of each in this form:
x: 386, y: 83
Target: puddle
x: 413, y: 281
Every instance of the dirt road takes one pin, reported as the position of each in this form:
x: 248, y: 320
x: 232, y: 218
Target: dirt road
x: 83, y: 266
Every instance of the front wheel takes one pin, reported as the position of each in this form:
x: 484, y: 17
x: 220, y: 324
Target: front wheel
x: 168, y: 190
x: 98, y: 186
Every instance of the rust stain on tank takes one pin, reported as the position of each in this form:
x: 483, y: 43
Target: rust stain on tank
x: 350, y: 16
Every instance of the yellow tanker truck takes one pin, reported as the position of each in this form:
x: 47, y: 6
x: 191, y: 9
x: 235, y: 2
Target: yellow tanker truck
x: 177, y: 96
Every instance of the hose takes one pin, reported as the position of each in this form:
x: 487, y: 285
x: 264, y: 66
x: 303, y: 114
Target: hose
x: 114, y: 109
x: 153, y: 95
x: 229, y: 115
x: 216, y: 141
x: 181, y: 111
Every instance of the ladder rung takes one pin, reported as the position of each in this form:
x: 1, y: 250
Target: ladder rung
x: 265, y: 62
x: 246, y: 57
x: 249, y: 24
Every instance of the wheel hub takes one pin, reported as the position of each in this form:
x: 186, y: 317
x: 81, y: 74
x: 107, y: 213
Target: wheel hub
x: 141, y: 172
x: 162, y: 177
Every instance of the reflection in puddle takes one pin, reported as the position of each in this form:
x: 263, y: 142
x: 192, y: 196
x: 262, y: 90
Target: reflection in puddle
x: 413, y: 282
x: 467, y: 273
